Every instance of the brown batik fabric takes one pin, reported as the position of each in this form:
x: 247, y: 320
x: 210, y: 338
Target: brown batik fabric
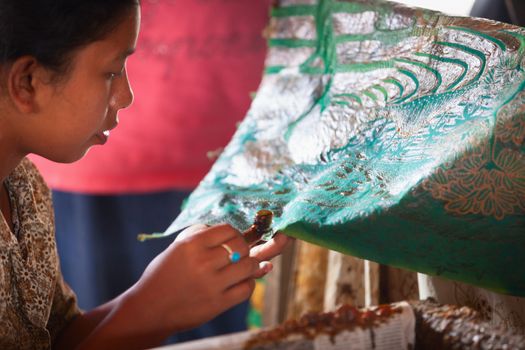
x: 35, y: 302
x: 500, y: 310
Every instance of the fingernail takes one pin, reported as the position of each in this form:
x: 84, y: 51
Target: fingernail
x: 267, y: 267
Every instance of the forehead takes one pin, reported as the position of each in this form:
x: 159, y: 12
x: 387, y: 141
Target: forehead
x: 117, y: 44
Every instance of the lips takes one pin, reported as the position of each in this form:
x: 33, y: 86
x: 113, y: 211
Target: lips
x: 103, y: 136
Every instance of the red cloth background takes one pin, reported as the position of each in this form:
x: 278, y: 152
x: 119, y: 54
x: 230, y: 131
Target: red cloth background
x: 196, y: 63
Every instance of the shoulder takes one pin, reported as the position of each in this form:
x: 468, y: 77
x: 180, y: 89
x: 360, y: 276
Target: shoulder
x: 28, y: 172
x: 34, y: 175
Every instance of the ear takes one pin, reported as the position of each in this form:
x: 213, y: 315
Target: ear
x: 22, y: 83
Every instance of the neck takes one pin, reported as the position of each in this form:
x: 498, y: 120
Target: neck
x: 7, y: 164
x: 9, y: 157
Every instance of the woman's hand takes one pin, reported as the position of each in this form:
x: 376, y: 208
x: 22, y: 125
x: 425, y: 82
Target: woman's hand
x: 262, y: 252
x: 194, y: 280
x: 189, y: 283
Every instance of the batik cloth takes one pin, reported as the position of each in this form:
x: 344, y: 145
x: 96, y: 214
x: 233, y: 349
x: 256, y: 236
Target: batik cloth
x: 387, y: 133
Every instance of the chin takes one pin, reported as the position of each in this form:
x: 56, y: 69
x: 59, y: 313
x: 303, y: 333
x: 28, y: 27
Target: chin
x: 66, y: 158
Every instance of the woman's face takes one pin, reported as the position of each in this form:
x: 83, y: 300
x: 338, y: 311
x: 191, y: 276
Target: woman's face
x: 79, y: 111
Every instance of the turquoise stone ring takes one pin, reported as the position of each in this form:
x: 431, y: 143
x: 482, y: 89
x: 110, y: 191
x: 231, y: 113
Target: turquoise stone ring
x: 233, y: 256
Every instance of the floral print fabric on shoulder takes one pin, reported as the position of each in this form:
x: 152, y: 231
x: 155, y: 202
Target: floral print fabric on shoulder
x: 35, y: 303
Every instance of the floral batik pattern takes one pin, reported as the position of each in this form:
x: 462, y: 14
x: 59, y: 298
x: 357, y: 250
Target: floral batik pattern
x: 35, y: 302
x: 488, y: 179
x: 384, y: 132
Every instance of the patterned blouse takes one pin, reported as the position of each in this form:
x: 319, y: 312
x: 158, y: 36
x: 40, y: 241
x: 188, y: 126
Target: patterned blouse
x: 35, y: 302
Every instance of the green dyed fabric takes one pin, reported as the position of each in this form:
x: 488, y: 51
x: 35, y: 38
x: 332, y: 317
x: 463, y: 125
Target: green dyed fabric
x: 387, y: 133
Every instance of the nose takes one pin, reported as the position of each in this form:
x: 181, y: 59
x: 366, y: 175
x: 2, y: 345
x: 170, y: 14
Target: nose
x: 123, y: 94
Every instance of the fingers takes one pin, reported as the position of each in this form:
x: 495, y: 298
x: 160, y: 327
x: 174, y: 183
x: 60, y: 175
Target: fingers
x: 190, y: 231
x: 242, y: 290
x: 235, y: 273
x: 195, y: 228
x: 264, y: 268
x: 216, y: 235
x: 236, y: 245
x: 271, y: 248
x: 206, y: 246
x: 239, y: 292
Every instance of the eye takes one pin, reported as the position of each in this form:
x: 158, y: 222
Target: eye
x: 113, y: 75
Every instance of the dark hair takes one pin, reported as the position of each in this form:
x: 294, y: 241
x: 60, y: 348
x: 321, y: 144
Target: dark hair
x: 52, y: 30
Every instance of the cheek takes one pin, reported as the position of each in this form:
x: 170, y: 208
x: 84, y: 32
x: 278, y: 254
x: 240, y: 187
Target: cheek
x: 94, y: 106
x: 83, y: 120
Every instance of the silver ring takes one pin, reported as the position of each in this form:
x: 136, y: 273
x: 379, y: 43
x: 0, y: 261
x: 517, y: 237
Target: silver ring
x: 232, y: 255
